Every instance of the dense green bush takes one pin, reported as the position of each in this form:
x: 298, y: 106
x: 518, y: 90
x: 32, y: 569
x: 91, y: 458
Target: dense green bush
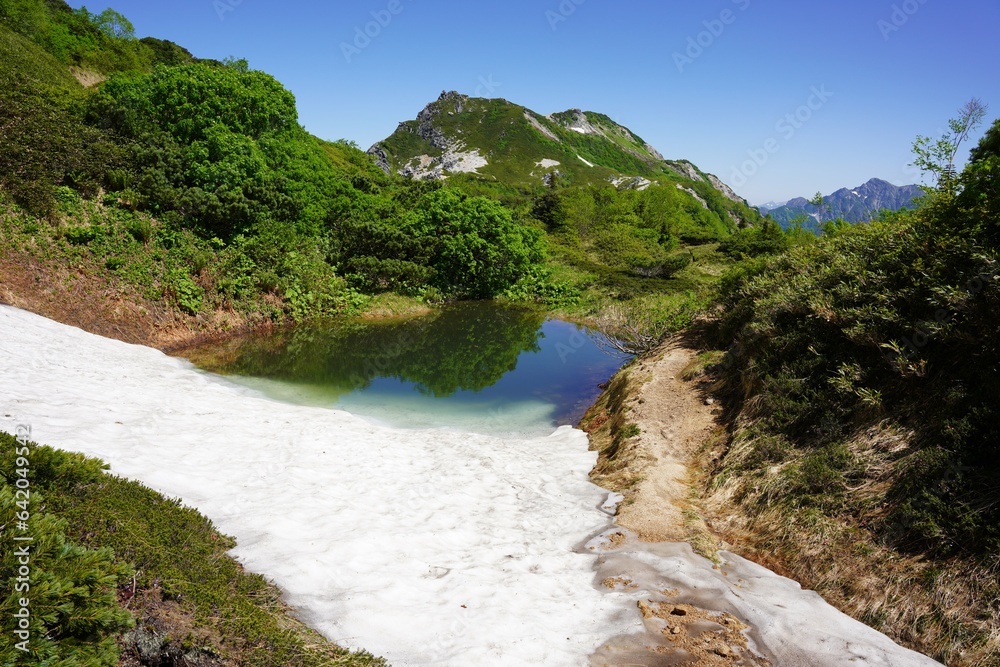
x: 45, y: 144
x: 72, y: 591
x: 765, y: 239
x: 888, y: 322
x: 219, y: 145
x: 474, y: 246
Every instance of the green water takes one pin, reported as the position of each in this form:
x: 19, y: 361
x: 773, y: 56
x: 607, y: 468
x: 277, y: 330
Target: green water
x: 478, y: 366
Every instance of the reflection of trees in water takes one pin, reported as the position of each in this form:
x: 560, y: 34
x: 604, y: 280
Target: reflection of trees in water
x: 468, y: 347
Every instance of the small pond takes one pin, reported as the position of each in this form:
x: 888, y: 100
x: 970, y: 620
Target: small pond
x: 479, y: 367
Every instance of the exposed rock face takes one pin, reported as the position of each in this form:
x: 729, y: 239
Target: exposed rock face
x: 454, y: 160
x: 381, y: 158
x: 724, y: 189
x: 693, y: 194
x: 631, y: 183
x: 541, y: 128
x: 454, y: 157
x: 655, y: 153
x: 579, y: 123
x: 687, y: 169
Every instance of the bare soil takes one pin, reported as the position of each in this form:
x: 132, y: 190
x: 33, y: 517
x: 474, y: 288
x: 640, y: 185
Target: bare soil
x: 79, y: 297
x: 676, y: 420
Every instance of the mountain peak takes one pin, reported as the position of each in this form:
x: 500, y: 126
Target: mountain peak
x: 499, y: 140
x: 451, y: 95
x: 859, y: 204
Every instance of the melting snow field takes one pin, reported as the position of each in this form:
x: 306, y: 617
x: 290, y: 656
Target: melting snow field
x: 430, y: 547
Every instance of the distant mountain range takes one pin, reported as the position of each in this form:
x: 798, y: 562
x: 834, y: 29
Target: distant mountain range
x: 500, y: 141
x: 860, y: 204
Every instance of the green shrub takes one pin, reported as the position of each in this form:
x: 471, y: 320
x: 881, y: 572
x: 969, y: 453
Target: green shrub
x: 187, y: 294
x: 80, y: 235
x: 73, y: 612
x: 890, y: 322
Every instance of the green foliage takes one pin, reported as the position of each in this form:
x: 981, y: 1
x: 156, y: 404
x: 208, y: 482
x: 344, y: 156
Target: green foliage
x: 474, y: 246
x: 885, y: 323
x: 937, y: 157
x: 44, y: 143
x: 71, y: 590
x: 188, y: 295
x: 765, y: 239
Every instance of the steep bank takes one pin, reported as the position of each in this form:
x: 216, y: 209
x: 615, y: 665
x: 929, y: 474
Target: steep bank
x: 82, y: 297
x: 661, y: 432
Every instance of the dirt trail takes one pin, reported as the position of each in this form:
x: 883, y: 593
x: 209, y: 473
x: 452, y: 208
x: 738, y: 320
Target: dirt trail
x: 676, y: 418
x: 665, y: 396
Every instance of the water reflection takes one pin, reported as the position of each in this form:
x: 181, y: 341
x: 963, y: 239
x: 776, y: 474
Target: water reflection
x: 466, y: 361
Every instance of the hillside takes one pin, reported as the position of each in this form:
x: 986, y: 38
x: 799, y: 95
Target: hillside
x: 508, y: 143
x: 859, y: 374
x: 860, y: 204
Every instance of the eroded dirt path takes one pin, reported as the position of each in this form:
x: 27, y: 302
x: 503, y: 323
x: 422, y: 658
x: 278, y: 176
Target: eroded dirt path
x: 676, y: 418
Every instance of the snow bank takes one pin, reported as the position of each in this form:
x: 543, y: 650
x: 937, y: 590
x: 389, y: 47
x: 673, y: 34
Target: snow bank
x: 791, y: 626
x: 429, y: 547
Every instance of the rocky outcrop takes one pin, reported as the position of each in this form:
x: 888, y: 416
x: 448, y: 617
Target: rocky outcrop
x: 687, y: 170
x: 724, y: 189
x: 694, y: 194
x: 454, y: 160
x: 152, y: 647
x: 537, y: 124
x: 631, y: 183
x: 381, y: 158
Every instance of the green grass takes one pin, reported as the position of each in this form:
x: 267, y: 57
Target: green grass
x: 30, y: 61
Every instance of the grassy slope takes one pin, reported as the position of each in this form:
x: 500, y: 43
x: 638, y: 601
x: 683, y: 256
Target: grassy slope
x: 30, y: 61
x: 868, y: 474
x: 514, y: 147
x: 186, y: 586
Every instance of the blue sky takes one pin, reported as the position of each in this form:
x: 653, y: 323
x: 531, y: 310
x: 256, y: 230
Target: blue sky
x: 712, y: 82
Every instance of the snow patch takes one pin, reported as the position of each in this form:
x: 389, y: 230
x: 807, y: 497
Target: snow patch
x: 789, y: 625
x: 547, y: 163
x: 430, y: 547
x: 589, y: 164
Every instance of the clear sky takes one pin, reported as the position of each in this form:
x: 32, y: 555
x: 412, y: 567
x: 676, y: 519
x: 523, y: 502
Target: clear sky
x: 710, y: 81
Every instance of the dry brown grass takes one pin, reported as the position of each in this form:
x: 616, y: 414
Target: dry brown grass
x: 946, y: 609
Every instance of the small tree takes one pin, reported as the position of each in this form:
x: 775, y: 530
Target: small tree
x: 938, y: 157
x: 819, y: 202
x: 114, y: 25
